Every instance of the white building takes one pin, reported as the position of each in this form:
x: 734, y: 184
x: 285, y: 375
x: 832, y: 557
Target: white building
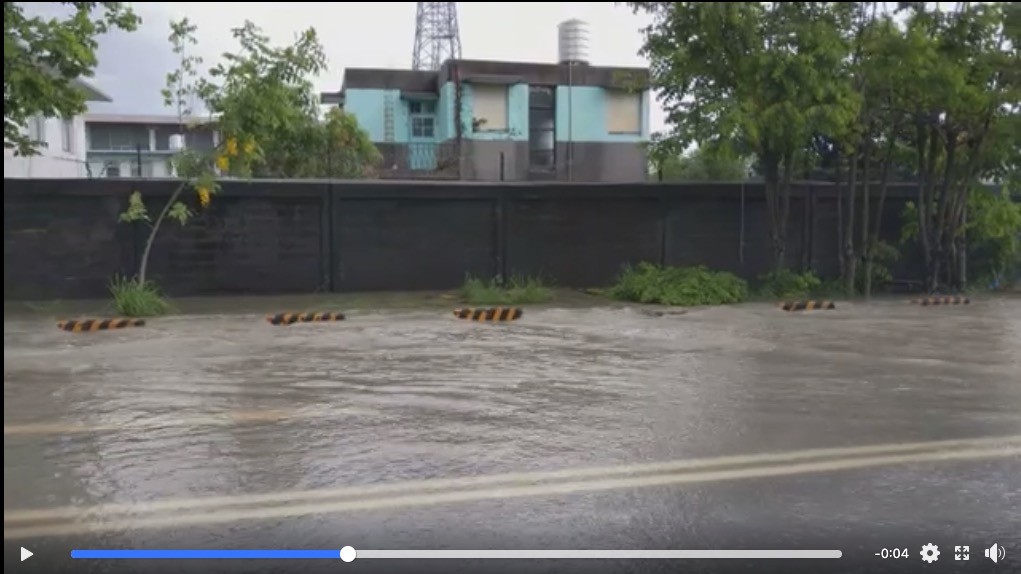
x: 137, y: 145
x: 63, y: 150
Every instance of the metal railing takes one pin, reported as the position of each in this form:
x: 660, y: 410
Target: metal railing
x: 420, y: 160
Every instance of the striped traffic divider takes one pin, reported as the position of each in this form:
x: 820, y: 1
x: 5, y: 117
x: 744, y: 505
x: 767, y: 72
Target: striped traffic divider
x: 928, y: 301
x: 92, y: 325
x: 292, y: 318
x: 807, y: 305
x: 491, y: 314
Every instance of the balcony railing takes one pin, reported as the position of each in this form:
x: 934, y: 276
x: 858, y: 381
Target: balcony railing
x: 419, y: 160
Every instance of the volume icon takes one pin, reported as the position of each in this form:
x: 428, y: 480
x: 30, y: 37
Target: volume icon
x: 995, y: 553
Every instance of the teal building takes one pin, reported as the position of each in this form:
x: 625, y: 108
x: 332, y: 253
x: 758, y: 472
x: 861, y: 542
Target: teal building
x: 491, y: 121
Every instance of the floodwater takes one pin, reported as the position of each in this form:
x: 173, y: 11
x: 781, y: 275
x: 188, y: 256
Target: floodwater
x: 228, y: 406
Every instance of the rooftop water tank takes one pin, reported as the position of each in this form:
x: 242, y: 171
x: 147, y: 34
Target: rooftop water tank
x: 573, y: 41
x: 176, y: 142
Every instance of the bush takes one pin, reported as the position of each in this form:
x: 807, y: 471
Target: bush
x: 786, y: 284
x: 684, y: 286
x: 132, y: 298
x: 884, y: 256
x: 517, y: 290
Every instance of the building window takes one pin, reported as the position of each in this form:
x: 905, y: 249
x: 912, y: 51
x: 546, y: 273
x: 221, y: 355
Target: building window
x: 118, y: 137
x: 136, y: 169
x: 421, y: 107
x: 623, y: 112
x: 37, y: 129
x: 489, y: 105
x: 67, y: 134
x: 112, y: 169
x: 423, y: 127
x: 541, y: 128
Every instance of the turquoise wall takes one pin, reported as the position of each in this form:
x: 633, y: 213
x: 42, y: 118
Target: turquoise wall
x: 445, y: 112
x: 587, y: 120
x: 588, y: 124
x: 517, y: 114
x: 369, y: 106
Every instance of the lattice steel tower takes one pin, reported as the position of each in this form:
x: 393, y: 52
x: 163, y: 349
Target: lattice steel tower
x: 436, y: 35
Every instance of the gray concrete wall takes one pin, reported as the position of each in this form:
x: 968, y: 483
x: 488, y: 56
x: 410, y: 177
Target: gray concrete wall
x: 592, y: 162
x: 62, y: 238
x: 602, y: 161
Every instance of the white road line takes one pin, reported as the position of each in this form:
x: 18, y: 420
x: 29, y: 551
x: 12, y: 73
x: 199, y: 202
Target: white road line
x: 510, y: 479
x: 221, y: 516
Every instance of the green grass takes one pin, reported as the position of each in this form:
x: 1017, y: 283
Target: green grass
x: 516, y: 291
x: 134, y: 299
x: 681, y: 286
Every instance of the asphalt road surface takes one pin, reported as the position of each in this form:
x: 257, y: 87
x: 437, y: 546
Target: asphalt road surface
x: 868, y: 427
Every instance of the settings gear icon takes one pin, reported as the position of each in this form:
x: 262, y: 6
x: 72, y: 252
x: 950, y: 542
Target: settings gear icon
x: 930, y: 553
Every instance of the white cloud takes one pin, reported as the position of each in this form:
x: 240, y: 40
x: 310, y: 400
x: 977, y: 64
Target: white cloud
x: 356, y: 34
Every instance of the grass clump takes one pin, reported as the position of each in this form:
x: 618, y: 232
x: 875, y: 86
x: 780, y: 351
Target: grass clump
x: 681, y: 286
x: 786, y: 284
x: 517, y: 290
x: 132, y: 298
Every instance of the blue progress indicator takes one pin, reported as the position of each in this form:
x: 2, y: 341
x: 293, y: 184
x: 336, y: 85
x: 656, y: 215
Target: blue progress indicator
x: 205, y: 554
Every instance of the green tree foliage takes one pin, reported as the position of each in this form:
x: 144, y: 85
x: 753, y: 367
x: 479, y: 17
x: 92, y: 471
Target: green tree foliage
x: 928, y: 93
x: 264, y: 95
x: 703, y: 164
x: 758, y: 75
x: 44, y: 56
x: 966, y: 100
x: 196, y: 169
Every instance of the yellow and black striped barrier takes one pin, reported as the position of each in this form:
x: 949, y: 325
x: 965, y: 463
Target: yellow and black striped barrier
x: 292, y: 318
x: 927, y: 301
x: 90, y: 325
x: 492, y: 314
x: 807, y: 305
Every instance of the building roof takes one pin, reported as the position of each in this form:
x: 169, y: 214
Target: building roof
x: 92, y: 93
x: 148, y: 119
x: 484, y: 71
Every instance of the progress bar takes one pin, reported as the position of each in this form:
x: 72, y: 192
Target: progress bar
x: 349, y: 554
x: 600, y: 554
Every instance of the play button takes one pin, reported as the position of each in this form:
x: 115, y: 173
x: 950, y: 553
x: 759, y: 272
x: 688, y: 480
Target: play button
x: 25, y: 553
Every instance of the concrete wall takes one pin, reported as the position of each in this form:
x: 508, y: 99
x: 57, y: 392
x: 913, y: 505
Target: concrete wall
x: 53, y: 160
x: 586, y: 150
x: 62, y: 238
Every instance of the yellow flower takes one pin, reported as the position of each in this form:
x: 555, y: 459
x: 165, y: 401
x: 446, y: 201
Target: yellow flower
x: 232, y: 146
x: 223, y: 162
x: 249, y: 146
x: 204, y: 196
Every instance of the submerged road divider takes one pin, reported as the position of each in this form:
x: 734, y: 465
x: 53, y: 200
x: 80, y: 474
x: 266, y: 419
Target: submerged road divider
x: 292, y: 318
x: 807, y: 305
x: 929, y: 301
x: 68, y: 521
x: 492, y: 314
x: 92, y: 325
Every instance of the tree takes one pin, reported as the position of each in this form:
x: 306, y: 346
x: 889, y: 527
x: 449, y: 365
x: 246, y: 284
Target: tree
x: 964, y: 119
x: 44, y: 56
x: 705, y: 163
x: 195, y: 168
x: 864, y: 143
x: 264, y: 94
x: 752, y: 74
x: 347, y: 151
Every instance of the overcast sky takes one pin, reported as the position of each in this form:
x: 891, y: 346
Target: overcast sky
x: 132, y: 67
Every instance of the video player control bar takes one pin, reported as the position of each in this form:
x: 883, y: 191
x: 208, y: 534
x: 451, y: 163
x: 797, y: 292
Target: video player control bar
x: 349, y: 554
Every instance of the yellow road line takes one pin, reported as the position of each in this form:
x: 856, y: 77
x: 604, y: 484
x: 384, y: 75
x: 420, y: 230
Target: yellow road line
x: 417, y: 500
x: 509, y: 479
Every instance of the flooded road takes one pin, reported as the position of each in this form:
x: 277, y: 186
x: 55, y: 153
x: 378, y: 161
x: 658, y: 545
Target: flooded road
x: 582, y: 428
